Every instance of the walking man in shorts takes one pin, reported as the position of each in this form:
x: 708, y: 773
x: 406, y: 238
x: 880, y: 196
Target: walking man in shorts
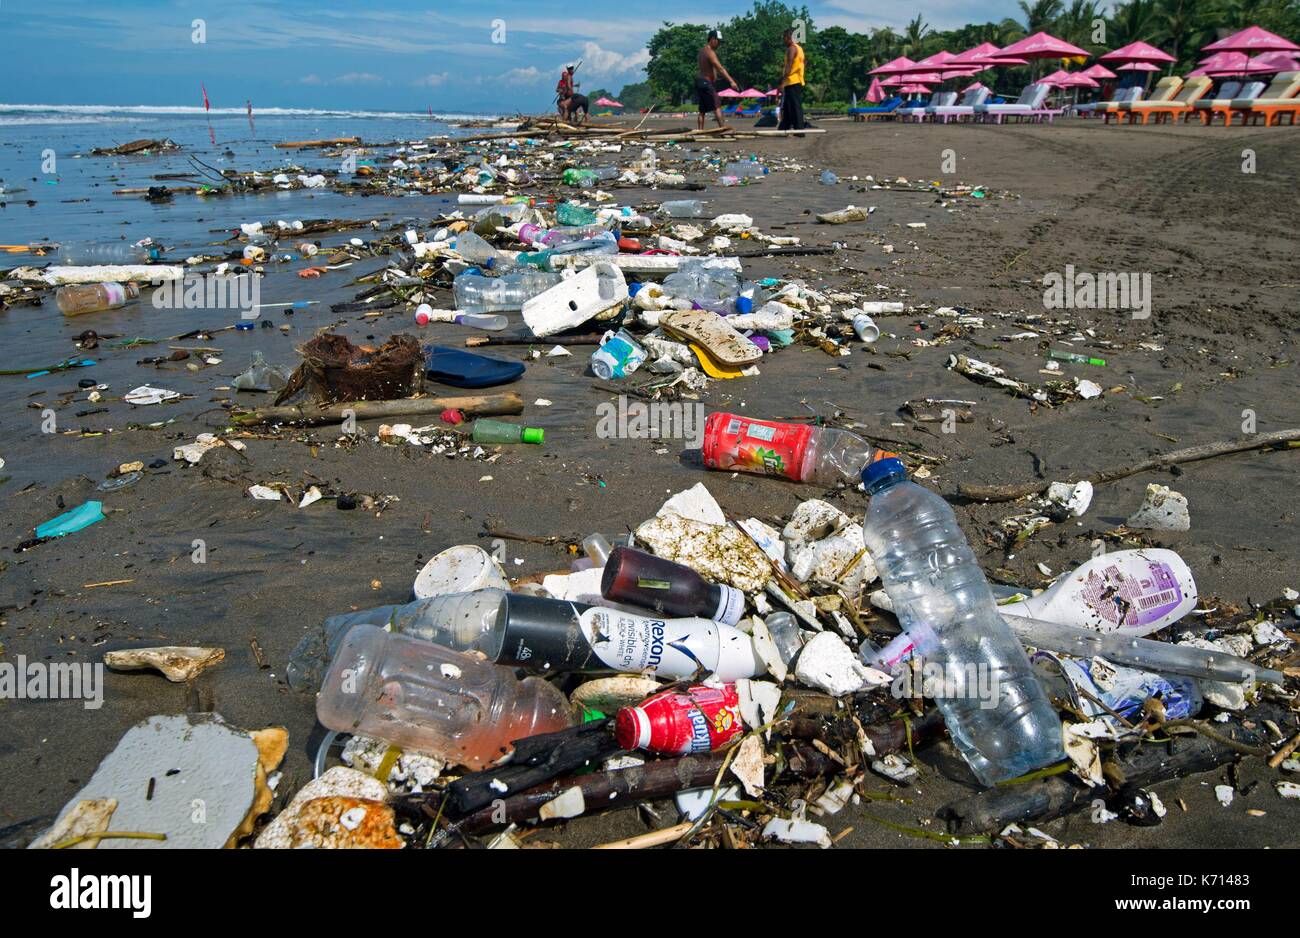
x: 706, y: 91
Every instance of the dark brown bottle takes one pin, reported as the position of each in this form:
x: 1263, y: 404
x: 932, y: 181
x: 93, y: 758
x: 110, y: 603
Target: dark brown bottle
x: 671, y: 589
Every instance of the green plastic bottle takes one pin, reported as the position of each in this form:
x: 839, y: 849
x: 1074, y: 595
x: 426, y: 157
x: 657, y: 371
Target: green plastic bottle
x: 498, y: 431
x: 579, y: 177
x: 570, y: 214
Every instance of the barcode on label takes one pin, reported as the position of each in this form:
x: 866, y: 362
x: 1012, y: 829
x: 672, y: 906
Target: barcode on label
x: 759, y: 432
x: 1156, y: 599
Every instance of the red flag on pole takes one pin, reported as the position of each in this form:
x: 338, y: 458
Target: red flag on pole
x: 206, y: 105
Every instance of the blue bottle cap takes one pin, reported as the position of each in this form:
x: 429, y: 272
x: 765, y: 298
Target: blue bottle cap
x: 634, y: 287
x: 883, y: 473
x: 744, y: 304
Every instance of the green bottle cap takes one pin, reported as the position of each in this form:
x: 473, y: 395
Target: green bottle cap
x: 534, y: 435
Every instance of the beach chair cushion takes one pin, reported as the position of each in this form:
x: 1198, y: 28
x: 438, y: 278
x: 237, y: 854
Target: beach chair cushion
x: 1283, y: 86
x: 1192, y: 90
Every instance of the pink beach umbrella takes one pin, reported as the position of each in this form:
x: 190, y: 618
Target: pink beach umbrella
x: 1138, y: 67
x: 1233, y: 63
x: 1043, y: 46
x: 1252, y: 39
x: 892, y: 67
x: 876, y: 93
x: 914, y: 88
x: 1138, y: 52
x: 1058, y: 79
x: 972, y: 87
x: 1279, y: 61
x: 752, y: 93
x: 1098, y: 71
x: 728, y: 93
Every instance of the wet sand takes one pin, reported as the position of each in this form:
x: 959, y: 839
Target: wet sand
x: 1169, y: 201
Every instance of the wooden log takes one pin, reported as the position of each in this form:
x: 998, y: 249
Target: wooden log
x: 304, y: 144
x: 476, y: 405
x: 1006, y: 493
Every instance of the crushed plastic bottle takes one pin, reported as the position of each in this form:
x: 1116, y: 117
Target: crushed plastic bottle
x: 423, y: 696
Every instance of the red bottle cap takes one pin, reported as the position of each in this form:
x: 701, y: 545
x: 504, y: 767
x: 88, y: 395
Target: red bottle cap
x: 631, y: 728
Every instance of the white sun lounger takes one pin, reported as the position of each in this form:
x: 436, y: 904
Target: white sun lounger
x: 1029, y: 104
x: 969, y: 101
x: 937, y: 99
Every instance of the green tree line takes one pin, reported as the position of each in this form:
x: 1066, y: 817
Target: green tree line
x: 838, y: 61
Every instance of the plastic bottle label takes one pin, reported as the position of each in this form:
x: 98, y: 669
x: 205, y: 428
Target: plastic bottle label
x: 732, y: 442
x: 1128, y: 602
x: 636, y: 644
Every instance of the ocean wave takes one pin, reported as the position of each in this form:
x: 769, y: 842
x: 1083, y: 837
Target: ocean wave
x: 60, y: 119
x: 149, y: 110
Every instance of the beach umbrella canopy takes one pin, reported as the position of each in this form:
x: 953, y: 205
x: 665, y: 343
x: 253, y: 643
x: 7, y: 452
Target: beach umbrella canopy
x: 892, y: 67
x: 772, y: 91
x: 973, y: 55
x: 930, y: 63
x: 606, y: 102
x: 752, y: 93
x: 1057, y: 78
x: 876, y: 93
x: 1098, y: 71
x: 1138, y: 67
x: 1234, y: 63
x: 1137, y: 52
x: 728, y: 93
x: 1080, y: 80
x: 922, y: 78
x: 972, y: 86
x: 915, y: 88
x: 1279, y: 61
x: 1043, y: 46
x: 1252, y: 39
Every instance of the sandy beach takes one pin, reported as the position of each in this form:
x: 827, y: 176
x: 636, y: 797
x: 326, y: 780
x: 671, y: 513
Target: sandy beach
x: 1218, y: 349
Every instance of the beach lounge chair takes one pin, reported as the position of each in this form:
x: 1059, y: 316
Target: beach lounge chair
x: 1162, y: 93
x: 1181, y: 104
x: 1122, y: 96
x: 1283, y: 87
x: 1029, y: 104
x: 937, y: 99
x: 1272, y: 107
x: 966, y: 108
x: 885, y: 108
x: 1229, y: 91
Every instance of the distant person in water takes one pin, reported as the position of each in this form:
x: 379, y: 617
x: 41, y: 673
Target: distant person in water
x: 706, y: 80
x: 578, y: 103
x: 792, y: 85
x: 564, y: 91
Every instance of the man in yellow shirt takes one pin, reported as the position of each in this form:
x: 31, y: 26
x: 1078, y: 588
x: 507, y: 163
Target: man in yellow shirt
x: 792, y: 85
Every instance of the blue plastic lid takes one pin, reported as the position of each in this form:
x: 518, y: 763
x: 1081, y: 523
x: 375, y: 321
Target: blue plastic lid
x: 883, y: 473
x: 634, y: 287
x: 744, y: 304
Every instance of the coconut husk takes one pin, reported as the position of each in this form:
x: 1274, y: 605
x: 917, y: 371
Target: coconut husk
x: 333, y: 371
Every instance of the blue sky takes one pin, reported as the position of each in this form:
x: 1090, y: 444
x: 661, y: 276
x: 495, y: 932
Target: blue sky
x: 364, y: 54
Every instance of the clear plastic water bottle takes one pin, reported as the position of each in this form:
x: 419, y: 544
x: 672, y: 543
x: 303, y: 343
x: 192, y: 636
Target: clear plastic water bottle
x: 683, y: 208
x: 78, y: 299
x: 477, y: 251
x: 112, y: 253
x: 744, y: 169
x: 996, y: 712
x: 478, y: 294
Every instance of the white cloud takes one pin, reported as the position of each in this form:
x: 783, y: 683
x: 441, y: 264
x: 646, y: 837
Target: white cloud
x: 605, y: 63
x: 432, y: 81
x: 521, y: 76
x: 351, y: 78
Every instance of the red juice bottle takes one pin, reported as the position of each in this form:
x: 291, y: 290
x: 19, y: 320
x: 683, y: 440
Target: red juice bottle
x: 632, y: 576
x: 677, y: 722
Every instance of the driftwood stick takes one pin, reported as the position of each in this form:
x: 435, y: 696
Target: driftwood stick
x: 1006, y: 493
x: 1048, y: 798
x: 476, y: 405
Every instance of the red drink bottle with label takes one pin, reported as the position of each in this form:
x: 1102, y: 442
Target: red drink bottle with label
x: 678, y: 722
x: 798, y: 451
x: 671, y: 589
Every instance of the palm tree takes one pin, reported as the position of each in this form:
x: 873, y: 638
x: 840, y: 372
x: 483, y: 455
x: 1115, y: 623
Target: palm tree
x: 1183, y: 26
x: 914, y: 37
x: 1075, y: 24
x: 1131, y: 22
x: 1040, y: 15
